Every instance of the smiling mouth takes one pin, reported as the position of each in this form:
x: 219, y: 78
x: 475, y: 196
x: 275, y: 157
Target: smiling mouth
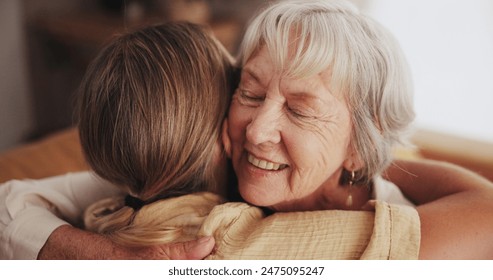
x: 265, y: 165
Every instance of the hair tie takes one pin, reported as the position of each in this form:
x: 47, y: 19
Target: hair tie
x: 134, y: 202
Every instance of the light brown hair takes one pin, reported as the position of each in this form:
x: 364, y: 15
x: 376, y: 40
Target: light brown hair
x: 150, y: 109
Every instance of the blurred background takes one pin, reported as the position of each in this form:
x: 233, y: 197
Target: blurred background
x: 47, y: 44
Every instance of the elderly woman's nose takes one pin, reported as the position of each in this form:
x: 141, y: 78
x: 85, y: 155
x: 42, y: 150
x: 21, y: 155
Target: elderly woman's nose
x: 264, y: 127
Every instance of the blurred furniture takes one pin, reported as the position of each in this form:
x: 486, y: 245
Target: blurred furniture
x: 53, y: 155
x: 471, y: 154
x: 60, y: 47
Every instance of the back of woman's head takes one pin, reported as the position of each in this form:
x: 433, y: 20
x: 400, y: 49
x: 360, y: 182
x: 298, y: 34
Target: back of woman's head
x: 305, y: 38
x: 150, y: 109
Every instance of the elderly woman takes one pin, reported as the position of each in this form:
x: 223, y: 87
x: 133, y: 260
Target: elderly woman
x: 323, y: 98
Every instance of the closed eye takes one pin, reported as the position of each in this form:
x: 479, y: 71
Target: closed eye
x: 301, y: 112
x: 248, y: 98
x: 298, y: 114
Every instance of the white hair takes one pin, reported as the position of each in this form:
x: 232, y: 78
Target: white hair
x: 307, y: 37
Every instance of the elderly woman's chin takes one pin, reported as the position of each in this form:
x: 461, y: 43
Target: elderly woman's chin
x: 259, y: 194
x: 275, y: 196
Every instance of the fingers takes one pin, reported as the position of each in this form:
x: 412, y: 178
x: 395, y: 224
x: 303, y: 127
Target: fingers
x: 191, y: 250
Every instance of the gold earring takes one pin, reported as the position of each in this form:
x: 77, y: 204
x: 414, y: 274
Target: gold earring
x: 349, y: 200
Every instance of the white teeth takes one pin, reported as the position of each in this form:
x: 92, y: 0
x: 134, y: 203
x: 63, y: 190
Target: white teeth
x: 263, y: 164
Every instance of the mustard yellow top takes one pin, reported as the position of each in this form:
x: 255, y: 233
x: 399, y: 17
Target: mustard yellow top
x: 243, y: 231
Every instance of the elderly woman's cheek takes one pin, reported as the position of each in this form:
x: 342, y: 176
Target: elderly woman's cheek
x: 325, y: 144
x: 238, y: 120
x: 234, y: 117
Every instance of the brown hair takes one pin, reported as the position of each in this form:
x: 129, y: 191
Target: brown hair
x: 150, y: 109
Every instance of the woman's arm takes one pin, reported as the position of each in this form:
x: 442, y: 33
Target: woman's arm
x: 423, y: 181
x: 67, y: 242
x: 455, y: 208
x: 459, y: 226
x: 30, y: 210
x: 34, y: 216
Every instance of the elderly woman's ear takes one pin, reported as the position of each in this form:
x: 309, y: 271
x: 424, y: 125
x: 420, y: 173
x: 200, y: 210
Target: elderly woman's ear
x: 225, y: 138
x: 353, y: 161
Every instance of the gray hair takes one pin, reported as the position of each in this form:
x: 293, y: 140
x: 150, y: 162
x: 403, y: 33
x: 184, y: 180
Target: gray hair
x: 307, y: 37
